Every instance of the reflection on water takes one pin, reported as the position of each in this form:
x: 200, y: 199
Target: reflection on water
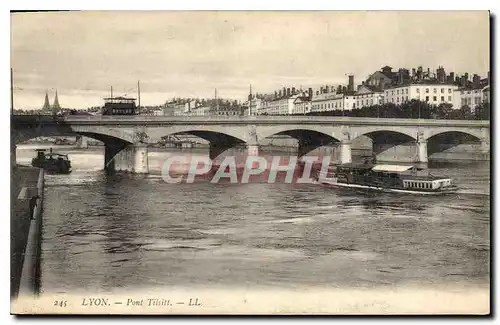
x: 130, y: 231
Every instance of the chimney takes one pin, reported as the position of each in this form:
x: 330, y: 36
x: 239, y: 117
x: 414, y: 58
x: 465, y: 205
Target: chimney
x: 288, y: 92
x: 284, y: 91
x: 275, y: 94
x: 317, y: 92
x: 420, y: 72
x: 452, y: 77
x: 351, y: 83
x: 321, y: 90
x: 476, y: 80
x: 339, y: 89
x: 310, y: 93
x: 279, y: 94
x: 413, y: 72
x: 293, y: 90
x: 344, y: 89
x: 466, y: 75
x: 400, y: 76
x: 327, y: 89
x: 463, y: 81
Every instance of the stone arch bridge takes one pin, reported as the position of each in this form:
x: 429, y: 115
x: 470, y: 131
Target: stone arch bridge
x: 126, y: 138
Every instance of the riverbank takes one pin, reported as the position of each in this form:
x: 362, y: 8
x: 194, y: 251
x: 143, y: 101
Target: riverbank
x: 26, y: 182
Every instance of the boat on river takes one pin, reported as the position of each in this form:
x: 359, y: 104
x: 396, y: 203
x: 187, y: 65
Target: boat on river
x: 385, y: 178
x: 52, y: 162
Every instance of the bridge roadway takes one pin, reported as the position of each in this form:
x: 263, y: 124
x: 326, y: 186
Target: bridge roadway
x: 126, y: 137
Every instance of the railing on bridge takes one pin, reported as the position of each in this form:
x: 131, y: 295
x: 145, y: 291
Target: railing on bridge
x: 270, y: 118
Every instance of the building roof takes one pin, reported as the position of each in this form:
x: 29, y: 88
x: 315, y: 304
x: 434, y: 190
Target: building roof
x: 422, y: 82
x: 391, y: 168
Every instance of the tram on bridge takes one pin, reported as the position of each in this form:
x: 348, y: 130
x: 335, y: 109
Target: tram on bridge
x: 120, y: 106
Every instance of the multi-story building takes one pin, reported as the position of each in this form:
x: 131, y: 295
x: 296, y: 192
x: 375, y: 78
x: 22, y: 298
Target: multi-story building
x: 332, y: 102
x: 472, y: 94
x: 281, y: 106
x: 253, y: 105
x: 432, y: 92
x: 302, y: 105
x: 368, y: 95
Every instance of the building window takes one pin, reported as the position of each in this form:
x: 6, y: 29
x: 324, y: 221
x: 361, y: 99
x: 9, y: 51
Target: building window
x: 434, y: 98
x: 435, y: 90
x: 371, y: 101
x: 449, y: 98
x: 392, y: 99
x: 449, y: 90
x: 393, y: 92
x: 406, y: 91
x: 442, y: 90
x: 397, y: 99
x: 426, y: 98
x: 426, y: 90
x: 397, y: 92
x: 418, y: 90
x: 442, y: 98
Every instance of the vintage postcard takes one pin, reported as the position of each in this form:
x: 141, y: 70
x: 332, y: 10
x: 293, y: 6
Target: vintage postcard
x: 250, y: 162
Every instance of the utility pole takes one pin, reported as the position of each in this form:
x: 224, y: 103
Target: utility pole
x: 11, y: 92
x: 139, y: 93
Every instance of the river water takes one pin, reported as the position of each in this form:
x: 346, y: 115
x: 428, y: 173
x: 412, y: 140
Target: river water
x: 136, y: 232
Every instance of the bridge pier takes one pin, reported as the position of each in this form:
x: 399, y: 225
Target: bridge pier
x: 133, y: 158
x: 252, y: 149
x: 345, y: 151
x: 485, y: 146
x: 422, y: 148
x: 82, y: 142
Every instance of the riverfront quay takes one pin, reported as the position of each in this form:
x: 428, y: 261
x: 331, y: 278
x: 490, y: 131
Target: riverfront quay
x: 26, y: 182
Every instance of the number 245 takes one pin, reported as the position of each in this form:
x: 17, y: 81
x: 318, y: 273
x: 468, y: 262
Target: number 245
x: 60, y: 303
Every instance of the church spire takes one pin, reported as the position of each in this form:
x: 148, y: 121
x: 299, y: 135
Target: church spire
x: 56, y: 108
x: 46, y: 105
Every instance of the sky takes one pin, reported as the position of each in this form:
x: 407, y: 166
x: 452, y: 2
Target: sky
x: 189, y: 54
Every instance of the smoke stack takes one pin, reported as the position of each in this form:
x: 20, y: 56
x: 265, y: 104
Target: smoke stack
x: 476, y: 80
x: 464, y: 81
x: 351, y: 83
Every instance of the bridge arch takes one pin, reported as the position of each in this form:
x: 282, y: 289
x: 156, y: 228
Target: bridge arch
x: 474, y: 132
x: 206, y: 132
x: 444, y: 140
x: 294, y: 131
